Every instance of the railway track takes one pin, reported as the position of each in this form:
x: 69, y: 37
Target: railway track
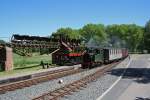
x: 74, y: 86
x: 38, y: 79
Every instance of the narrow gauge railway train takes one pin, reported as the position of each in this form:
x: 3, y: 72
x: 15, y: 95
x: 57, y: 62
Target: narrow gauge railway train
x: 98, y: 56
x: 88, y: 57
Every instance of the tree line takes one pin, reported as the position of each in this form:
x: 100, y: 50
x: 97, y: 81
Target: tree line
x: 134, y: 37
x: 131, y: 36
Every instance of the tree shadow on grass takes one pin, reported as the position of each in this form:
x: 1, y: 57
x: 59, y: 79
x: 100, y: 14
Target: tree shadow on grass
x: 140, y: 75
x: 27, y: 67
x: 19, y: 68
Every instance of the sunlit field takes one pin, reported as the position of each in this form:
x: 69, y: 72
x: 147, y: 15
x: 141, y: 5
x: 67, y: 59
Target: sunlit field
x: 34, y: 60
x: 24, y: 64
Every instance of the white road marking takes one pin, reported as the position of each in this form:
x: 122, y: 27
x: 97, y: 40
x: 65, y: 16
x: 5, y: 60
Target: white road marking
x: 100, y: 97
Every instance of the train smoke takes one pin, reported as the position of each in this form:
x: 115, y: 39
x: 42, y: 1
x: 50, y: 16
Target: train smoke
x: 113, y: 41
x: 117, y: 42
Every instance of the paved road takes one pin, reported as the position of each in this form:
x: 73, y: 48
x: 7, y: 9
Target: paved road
x: 134, y: 84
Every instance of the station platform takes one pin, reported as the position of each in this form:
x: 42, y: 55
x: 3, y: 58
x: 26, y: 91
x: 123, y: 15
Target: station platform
x: 133, y: 84
x: 24, y: 76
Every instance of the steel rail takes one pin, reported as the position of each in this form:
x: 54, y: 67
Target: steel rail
x: 29, y: 82
x: 74, y: 86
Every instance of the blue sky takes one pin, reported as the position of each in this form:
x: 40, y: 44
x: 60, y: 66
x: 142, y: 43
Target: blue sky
x: 42, y: 17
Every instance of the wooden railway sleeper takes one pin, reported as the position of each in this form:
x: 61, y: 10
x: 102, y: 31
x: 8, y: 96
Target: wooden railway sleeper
x: 6, y: 88
x: 41, y: 97
x: 11, y: 87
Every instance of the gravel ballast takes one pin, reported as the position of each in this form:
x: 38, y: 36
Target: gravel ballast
x: 96, y: 88
x: 28, y: 93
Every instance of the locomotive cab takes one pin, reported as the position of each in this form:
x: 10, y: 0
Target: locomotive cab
x: 92, y: 58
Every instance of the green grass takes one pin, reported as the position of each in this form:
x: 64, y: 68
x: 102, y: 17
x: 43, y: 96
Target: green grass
x: 24, y: 64
x: 19, y: 71
x: 23, y: 61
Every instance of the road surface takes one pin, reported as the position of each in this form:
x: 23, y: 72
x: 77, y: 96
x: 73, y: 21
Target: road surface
x: 133, y: 84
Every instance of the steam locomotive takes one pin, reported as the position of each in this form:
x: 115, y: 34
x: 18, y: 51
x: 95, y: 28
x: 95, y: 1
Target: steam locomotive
x: 98, y: 56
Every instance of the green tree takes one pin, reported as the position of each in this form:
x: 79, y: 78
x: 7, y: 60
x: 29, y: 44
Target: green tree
x: 2, y: 41
x: 95, y: 31
x: 135, y: 34
x: 71, y: 33
x: 117, y: 34
x: 128, y: 35
x: 147, y: 36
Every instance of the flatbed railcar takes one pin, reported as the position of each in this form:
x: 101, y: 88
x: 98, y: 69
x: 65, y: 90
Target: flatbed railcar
x: 70, y: 52
x: 66, y: 55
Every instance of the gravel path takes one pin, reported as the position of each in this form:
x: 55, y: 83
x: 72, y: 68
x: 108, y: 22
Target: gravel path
x: 96, y: 88
x: 29, y: 92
